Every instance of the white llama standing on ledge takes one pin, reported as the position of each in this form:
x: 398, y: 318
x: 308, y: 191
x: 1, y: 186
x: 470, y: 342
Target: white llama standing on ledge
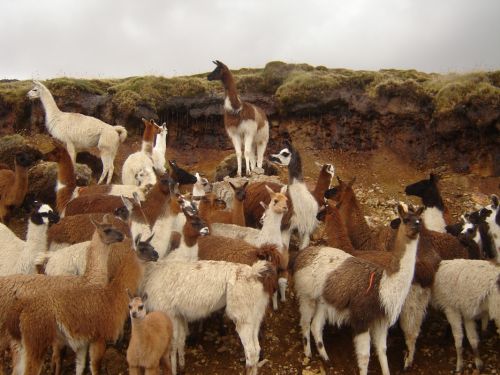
x: 80, y: 132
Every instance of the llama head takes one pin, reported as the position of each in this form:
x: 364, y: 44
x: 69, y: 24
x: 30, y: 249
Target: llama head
x: 180, y: 175
x: 24, y: 159
x: 43, y: 214
x: 479, y: 216
x: 239, y: 192
x: 203, y: 184
x: 219, y: 73
x: 326, y: 168
x: 341, y: 193
x: 409, y: 220
x: 151, y: 127
x: 106, y: 231
x: 283, y: 157
x: 144, y: 250
x: 36, y: 91
x: 195, y: 226
x: 136, y: 307
x: 279, y: 201
x: 427, y: 190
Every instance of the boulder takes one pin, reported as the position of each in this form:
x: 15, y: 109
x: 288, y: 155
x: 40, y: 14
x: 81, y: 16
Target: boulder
x: 229, y: 166
x: 10, y: 145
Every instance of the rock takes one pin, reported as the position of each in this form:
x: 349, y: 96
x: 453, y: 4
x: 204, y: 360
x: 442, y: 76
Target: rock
x: 228, y: 167
x: 10, y: 145
x: 43, y: 179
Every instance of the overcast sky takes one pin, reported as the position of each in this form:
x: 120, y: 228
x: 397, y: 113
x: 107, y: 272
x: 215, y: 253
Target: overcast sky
x: 104, y: 38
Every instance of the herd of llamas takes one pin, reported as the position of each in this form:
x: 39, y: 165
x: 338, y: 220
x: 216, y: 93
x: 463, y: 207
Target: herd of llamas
x: 148, y: 250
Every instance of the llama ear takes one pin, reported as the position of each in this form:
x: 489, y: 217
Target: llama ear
x: 264, y: 206
x: 494, y: 201
x: 244, y: 186
x: 137, y: 240
x: 95, y: 223
x: 269, y: 190
x: 144, y: 297
x: 352, y: 182
x: 130, y: 296
x: 419, y: 211
x: 318, y: 164
x: 339, y: 180
x: 136, y: 198
x: 230, y: 183
x: 284, y: 189
x: 148, y: 240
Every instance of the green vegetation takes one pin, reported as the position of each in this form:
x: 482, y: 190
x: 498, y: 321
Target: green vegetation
x: 292, y: 85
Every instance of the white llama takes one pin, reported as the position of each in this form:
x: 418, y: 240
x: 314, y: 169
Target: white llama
x: 79, y: 131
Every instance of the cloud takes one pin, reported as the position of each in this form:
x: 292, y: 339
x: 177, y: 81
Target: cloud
x: 95, y: 38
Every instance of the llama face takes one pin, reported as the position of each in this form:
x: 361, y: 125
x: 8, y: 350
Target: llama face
x: 144, y: 250
x: 180, y: 175
x: 35, y: 92
x: 24, y: 159
x: 283, y: 157
x: 136, y: 308
x: 218, y: 72
x: 44, y: 215
x: 330, y: 169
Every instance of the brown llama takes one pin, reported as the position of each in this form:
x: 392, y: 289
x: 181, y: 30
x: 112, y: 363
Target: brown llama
x: 245, y: 123
x: 14, y: 185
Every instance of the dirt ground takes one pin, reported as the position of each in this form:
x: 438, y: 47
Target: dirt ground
x: 380, y: 178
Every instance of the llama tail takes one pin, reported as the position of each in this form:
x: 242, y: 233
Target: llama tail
x: 122, y: 132
x: 266, y: 273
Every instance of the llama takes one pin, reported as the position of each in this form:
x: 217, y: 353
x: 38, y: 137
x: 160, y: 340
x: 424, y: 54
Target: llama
x: 160, y: 149
x: 235, y: 216
x: 269, y: 234
x: 200, y: 188
x: 66, y: 177
x: 150, y: 340
x: 189, y: 291
x: 143, y: 159
x: 18, y: 287
x: 14, y: 185
x: 305, y: 207
x: 323, y: 183
x: 79, y: 131
x: 493, y: 222
x: 475, y: 286
x: 244, y: 122
x: 334, y: 286
x: 48, y: 311
x: 18, y: 256
x: 436, y: 215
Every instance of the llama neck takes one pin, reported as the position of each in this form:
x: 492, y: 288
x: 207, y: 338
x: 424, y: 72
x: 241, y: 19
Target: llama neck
x: 161, y: 142
x: 357, y: 227
x: 155, y: 205
x: 237, y: 213
x: 49, y: 105
x: 231, y: 94
x: 20, y: 184
x: 322, y: 185
x: 271, y: 229
x: 336, y: 232
x: 36, y: 238
x: 128, y: 275
x: 65, y: 172
x: 433, y: 218
x: 394, y: 286
x: 96, y: 271
x: 295, y: 169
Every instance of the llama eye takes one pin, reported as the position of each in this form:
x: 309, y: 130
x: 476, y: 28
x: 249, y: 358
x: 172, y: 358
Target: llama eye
x: 130, y: 307
x: 406, y: 221
x: 141, y: 307
x: 285, y: 154
x: 275, y: 201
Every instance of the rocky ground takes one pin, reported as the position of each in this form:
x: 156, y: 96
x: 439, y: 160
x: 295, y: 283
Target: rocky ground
x: 381, y: 176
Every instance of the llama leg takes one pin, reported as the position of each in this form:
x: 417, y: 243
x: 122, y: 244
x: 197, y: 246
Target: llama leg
x: 411, y: 318
x: 275, y: 301
x: 56, y: 359
x: 17, y: 359
x: 317, y: 325
x: 455, y: 321
x: 261, y: 149
x: 183, y: 331
x: 470, y: 330
x: 379, y: 333
x: 307, y: 307
x: 80, y: 359
x: 485, y: 319
x: 152, y: 371
x: 165, y: 362
x: 283, y: 284
x: 245, y: 332
x: 362, y: 346
x: 249, y: 157
x: 97, y: 350
x: 236, y: 139
x: 106, y: 166
x: 71, y: 151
